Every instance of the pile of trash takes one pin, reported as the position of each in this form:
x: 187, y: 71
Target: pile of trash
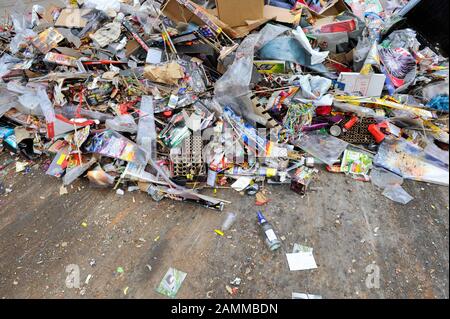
x: 175, y: 97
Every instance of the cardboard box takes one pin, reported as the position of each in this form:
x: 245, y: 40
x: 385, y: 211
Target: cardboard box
x: 237, y: 12
x: 180, y: 13
x: 333, y: 8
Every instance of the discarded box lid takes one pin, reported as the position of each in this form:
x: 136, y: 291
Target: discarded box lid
x: 236, y: 13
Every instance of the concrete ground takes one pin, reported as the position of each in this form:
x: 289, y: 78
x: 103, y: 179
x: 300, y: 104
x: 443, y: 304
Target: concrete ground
x: 349, y: 224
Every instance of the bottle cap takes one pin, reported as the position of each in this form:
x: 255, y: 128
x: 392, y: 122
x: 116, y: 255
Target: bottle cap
x: 261, y: 218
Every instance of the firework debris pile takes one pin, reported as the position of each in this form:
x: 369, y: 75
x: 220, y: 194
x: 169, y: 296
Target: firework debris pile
x: 177, y: 97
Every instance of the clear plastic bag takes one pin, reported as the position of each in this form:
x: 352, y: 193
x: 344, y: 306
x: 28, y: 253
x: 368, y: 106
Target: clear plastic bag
x: 48, y: 110
x: 233, y: 88
x: 6, y: 61
x: 70, y: 111
x: 411, y: 162
x: 122, y: 123
x: 325, y: 147
x: 21, y: 40
x: 383, y: 178
x: 146, y: 136
x: 7, y: 101
x: 29, y: 103
x: 361, y: 52
x: 397, y: 194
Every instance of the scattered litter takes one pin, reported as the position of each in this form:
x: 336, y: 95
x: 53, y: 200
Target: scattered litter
x: 20, y: 166
x: 302, y: 258
x: 219, y: 232
x: 127, y: 88
x: 63, y: 190
x: 120, y: 270
x: 232, y: 291
x: 229, y: 221
x: 236, y: 282
x: 397, y: 194
x: 171, y: 283
x: 270, y: 237
x: 88, y: 278
x: 171, y: 98
x: 296, y: 295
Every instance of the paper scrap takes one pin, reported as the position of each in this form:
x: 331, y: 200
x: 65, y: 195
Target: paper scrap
x: 301, y: 259
x: 171, y: 283
x: 154, y: 56
x: 242, y: 183
x: 296, y: 295
x: 20, y: 166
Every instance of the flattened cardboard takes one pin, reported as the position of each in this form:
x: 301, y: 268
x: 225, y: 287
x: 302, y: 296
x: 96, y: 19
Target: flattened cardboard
x: 281, y: 15
x: 236, y: 13
x: 72, y: 18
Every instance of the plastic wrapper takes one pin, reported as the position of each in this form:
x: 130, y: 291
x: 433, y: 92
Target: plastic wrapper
x: 233, y: 86
x: 21, y: 40
x: 325, y: 147
x: 383, y: 178
x: 288, y: 48
x: 7, y: 100
x: 73, y: 173
x: 70, y: 112
x: 6, y: 63
x: 47, y: 110
x: 146, y: 136
x: 436, y: 152
x: 123, y: 123
x: 405, y: 39
x: 270, y: 32
x: 361, y: 111
x: 397, y: 194
x: 411, y: 162
x: 372, y: 59
x: 435, y: 89
x: 399, y: 66
x: 361, y: 52
x: 112, y: 144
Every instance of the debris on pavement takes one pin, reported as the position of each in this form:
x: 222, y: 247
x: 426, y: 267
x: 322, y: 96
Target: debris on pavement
x: 301, y: 258
x: 179, y: 97
x: 171, y: 283
x: 268, y: 232
x: 297, y: 295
